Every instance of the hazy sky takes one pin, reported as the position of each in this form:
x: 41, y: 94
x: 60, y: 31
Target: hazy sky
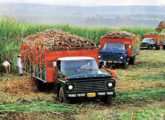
x: 89, y: 2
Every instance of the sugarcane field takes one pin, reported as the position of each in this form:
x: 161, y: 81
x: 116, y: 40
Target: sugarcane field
x: 87, y: 71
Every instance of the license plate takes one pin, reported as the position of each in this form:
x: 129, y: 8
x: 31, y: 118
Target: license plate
x: 109, y: 61
x: 91, y: 94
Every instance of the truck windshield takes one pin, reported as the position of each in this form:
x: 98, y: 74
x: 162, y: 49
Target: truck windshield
x: 114, y: 46
x: 78, y: 66
x: 149, y: 40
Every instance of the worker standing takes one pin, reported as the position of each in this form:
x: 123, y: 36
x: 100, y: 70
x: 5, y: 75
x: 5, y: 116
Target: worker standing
x: 161, y: 45
x: 19, y: 65
x: 6, y: 66
x: 111, y: 71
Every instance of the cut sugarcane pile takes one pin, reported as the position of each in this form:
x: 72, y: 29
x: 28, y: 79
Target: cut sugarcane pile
x: 160, y: 26
x: 162, y: 37
x: 54, y: 39
x: 119, y: 34
x: 151, y: 33
x: 124, y: 35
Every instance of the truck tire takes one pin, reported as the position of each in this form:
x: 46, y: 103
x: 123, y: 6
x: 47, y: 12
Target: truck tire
x: 125, y: 65
x: 132, y: 60
x: 157, y: 48
x: 107, y: 100
x: 150, y: 47
x: 40, y: 85
x: 61, y: 96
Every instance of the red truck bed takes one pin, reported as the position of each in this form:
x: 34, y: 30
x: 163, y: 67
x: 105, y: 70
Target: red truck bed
x: 39, y: 56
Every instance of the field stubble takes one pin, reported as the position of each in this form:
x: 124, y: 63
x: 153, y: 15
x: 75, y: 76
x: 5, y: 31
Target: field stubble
x: 140, y: 95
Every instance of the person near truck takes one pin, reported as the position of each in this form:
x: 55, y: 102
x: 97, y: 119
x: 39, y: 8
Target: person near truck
x: 19, y: 65
x: 111, y: 71
x: 6, y: 66
x: 161, y: 45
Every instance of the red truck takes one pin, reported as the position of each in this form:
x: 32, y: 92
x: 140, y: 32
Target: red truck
x: 73, y: 74
x: 118, y: 51
x: 150, y: 42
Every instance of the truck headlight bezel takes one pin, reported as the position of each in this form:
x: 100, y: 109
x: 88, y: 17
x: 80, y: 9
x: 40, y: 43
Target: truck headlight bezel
x: 70, y: 87
x: 121, y: 57
x: 109, y: 84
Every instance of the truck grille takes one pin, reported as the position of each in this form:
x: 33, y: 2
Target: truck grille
x: 90, y: 86
x: 143, y: 45
x: 113, y: 57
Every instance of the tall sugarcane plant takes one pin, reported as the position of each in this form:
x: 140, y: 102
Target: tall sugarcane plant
x: 11, y: 31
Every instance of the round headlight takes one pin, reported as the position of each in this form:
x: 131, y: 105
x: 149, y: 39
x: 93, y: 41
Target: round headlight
x: 70, y: 87
x: 110, y: 84
x: 121, y: 57
x: 99, y: 56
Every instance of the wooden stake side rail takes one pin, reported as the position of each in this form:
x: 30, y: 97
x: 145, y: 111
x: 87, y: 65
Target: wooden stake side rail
x: 39, y: 62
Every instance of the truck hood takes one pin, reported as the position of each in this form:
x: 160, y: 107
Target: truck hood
x: 94, y: 74
x: 113, y: 51
x: 146, y: 43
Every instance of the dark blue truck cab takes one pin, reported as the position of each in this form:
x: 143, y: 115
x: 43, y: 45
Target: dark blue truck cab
x: 113, y: 53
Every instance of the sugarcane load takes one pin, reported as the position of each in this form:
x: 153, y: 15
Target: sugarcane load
x: 54, y: 39
x: 67, y: 63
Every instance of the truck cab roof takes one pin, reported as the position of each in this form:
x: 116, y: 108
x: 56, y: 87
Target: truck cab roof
x: 75, y: 58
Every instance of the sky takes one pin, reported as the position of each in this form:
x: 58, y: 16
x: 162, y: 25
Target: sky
x: 90, y: 2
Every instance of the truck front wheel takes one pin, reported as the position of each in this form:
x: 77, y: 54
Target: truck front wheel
x: 125, y: 65
x: 40, y: 85
x: 107, y: 100
x: 61, y: 96
x: 132, y: 60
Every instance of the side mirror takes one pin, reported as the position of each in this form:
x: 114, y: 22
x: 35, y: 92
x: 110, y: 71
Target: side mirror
x: 54, y: 64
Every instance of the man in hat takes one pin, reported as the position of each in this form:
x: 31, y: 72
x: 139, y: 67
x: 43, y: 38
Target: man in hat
x: 19, y: 65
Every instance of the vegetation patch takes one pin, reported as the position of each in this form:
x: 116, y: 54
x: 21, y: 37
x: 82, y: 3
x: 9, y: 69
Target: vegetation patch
x: 144, y: 95
x: 36, y: 106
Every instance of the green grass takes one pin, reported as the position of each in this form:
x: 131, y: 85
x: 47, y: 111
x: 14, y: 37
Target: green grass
x: 37, y: 106
x: 149, y: 114
x: 154, y: 77
x: 143, y: 95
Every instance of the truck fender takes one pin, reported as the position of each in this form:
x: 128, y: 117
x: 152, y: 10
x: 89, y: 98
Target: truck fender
x: 58, y: 88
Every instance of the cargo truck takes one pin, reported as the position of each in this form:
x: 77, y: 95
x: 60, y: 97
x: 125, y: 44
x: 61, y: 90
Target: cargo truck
x: 150, y: 42
x: 74, y: 74
x: 118, y: 51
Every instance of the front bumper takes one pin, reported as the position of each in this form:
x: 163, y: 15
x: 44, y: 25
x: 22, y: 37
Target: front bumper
x: 110, y: 62
x: 91, y: 94
x: 143, y: 47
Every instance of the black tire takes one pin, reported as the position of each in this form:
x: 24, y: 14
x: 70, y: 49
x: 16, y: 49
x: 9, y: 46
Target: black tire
x: 61, y: 96
x: 150, y: 47
x: 125, y: 65
x: 40, y: 85
x: 157, y: 48
x: 132, y: 60
x: 107, y: 100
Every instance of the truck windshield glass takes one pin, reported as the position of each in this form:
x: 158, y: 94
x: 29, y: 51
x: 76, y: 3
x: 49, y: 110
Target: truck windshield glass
x: 79, y: 66
x: 149, y: 40
x: 114, y: 46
